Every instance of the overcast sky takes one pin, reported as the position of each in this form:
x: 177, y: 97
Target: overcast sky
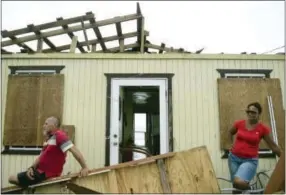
x: 229, y: 27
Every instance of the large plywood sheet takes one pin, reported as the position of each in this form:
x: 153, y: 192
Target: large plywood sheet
x: 236, y: 94
x: 189, y: 171
x: 22, y: 106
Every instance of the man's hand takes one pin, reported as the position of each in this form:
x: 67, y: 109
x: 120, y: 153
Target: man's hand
x: 83, y: 172
x: 30, y: 173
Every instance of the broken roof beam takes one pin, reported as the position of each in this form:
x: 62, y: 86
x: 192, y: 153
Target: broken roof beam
x: 95, y: 41
x: 119, y: 33
x: 97, y: 32
x: 71, y: 35
x: 140, y: 28
x: 40, y: 27
x: 32, y: 28
x: 167, y: 49
x: 162, y: 48
x: 117, y: 49
x: 71, y: 29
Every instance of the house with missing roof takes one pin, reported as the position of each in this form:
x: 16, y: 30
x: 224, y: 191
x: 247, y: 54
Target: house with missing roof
x: 160, y: 98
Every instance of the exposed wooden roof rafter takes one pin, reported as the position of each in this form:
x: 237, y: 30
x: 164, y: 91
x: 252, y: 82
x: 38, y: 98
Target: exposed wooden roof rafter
x: 141, y: 45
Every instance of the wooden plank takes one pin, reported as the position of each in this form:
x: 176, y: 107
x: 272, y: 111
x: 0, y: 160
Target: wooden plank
x: 236, y: 93
x: 71, y: 35
x: 73, y: 44
x: 119, y: 34
x: 40, y: 27
x: 277, y: 180
x: 39, y: 45
x: 192, y: 172
x: 37, y: 32
x: 162, y: 48
x: 167, y: 49
x: 139, y: 23
x: 20, y: 125
x: 142, y: 41
x: 98, y: 34
x: 95, y: 41
x: 85, y: 35
x: 164, y: 177
x: 71, y: 29
x: 189, y: 171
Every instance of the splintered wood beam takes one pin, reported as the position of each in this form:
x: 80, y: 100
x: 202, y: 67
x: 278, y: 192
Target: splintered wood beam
x: 115, y: 49
x: 200, y: 51
x: 71, y: 35
x: 142, y: 41
x: 73, y: 44
x: 164, y: 177
x: 71, y: 29
x: 167, y: 49
x: 40, y: 27
x: 140, y: 28
x: 97, y: 33
x: 119, y: 33
x: 162, y: 48
x: 95, y: 41
x: 32, y: 28
x: 77, y: 189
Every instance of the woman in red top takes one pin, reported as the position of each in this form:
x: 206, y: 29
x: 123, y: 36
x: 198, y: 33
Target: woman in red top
x: 243, y: 156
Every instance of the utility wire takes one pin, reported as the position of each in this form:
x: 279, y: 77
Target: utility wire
x: 273, y: 49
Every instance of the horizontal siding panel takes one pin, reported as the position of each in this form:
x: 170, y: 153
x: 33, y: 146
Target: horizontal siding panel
x: 195, y: 104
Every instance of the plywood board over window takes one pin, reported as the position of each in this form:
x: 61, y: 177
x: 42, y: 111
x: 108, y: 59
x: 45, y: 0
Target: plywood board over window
x: 30, y: 99
x: 236, y: 94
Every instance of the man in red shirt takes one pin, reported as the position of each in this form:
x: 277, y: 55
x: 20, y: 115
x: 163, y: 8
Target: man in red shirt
x: 243, y: 156
x: 51, y: 161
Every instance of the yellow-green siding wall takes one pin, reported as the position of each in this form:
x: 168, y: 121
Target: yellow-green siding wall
x: 195, y: 100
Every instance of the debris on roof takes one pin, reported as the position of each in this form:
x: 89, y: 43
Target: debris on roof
x: 42, y: 34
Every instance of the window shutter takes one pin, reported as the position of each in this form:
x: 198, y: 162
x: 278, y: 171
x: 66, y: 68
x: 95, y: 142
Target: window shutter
x: 30, y: 100
x: 235, y: 94
x: 21, y: 116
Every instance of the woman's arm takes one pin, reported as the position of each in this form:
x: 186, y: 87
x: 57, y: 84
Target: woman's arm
x: 272, y: 145
x: 232, y: 131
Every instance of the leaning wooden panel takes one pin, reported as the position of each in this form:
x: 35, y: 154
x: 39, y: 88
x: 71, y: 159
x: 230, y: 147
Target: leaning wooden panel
x: 21, y: 115
x: 51, y: 99
x: 192, y: 172
x: 188, y: 171
x: 235, y: 94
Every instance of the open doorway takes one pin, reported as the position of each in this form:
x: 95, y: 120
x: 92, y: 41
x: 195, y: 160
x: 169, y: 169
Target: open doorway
x: 139, y: 118
x: 142, y: 111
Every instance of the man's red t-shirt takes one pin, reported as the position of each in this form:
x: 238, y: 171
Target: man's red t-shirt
x: 246, y: 144
x: 53, y: 155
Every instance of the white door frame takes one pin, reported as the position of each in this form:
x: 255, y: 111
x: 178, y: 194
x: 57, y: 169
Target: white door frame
x: 116, y: 83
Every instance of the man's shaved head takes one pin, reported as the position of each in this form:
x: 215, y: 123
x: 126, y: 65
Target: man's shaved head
x: 51, y: 123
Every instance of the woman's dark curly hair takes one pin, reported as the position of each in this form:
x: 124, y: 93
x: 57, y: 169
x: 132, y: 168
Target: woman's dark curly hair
x: 256, y: 105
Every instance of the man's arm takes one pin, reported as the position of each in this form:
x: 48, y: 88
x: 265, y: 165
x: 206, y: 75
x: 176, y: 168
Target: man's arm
x: 78, y: 156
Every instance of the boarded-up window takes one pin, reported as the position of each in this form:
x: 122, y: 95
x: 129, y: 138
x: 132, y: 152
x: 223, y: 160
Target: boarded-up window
x: 235, y: 94
x: 30, y: 100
